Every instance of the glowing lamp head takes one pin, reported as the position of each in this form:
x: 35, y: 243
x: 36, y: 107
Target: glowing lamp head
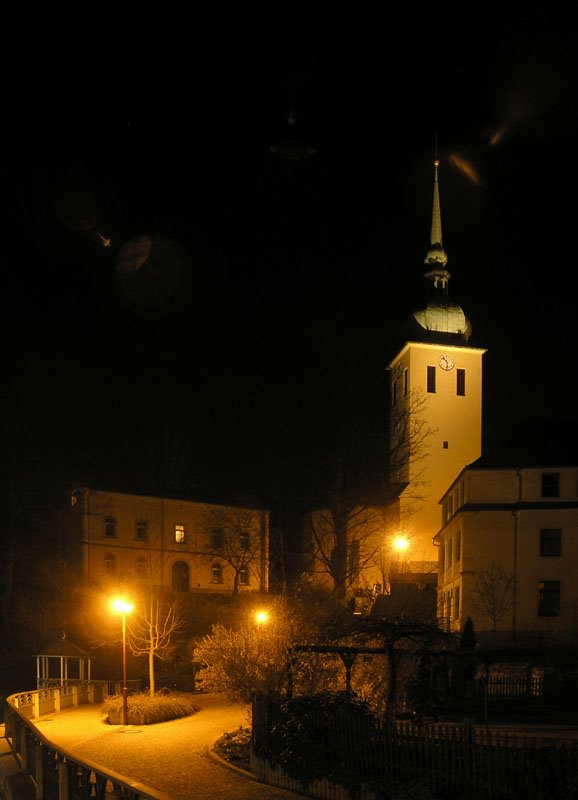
x: 400, y: 544
x: 261, y: 617
x: 122, y: 606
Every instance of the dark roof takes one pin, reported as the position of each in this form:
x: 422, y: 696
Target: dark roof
x: 64, y: 647
x: 534, y: 444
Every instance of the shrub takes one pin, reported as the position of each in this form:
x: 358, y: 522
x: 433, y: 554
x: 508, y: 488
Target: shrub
x: 146, y: 710
x: 312, y: 738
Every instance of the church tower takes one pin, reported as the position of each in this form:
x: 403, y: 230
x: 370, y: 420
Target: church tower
x: 436, y: 397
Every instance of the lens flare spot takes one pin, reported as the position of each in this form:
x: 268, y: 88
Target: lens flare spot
x: 466, y: 168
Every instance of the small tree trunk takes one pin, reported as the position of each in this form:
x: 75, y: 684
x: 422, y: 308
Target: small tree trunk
x: 151, y: 672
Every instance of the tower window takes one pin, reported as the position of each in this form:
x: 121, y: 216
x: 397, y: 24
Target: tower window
x: 461, y: 382
x: 550, y: 542
x: 445, y: 445
x: 550, y: 484
x: 431, y: 380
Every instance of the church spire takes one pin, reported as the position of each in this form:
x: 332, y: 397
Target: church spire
x: 436, y: 258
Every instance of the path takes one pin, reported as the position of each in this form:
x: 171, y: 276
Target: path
x: 171, y: 757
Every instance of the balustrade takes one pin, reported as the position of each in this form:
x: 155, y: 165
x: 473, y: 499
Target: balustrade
x: 56, y: 773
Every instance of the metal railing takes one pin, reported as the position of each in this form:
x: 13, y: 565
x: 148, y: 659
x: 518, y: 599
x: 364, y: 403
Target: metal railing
x: 57, y: 774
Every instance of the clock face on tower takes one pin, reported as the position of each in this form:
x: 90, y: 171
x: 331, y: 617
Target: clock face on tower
x: 446, y: 362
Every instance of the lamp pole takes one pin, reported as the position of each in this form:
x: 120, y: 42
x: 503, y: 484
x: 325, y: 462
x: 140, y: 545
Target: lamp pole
x: 123, y: 607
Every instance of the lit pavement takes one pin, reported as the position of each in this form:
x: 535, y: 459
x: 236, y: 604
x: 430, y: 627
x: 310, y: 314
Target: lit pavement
x: 170, y: 757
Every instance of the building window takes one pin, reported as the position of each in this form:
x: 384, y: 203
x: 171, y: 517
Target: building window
x: 431, y: 380
x: 551, y: 542
x: 216, y: 573
x: 449, y: 552
x: 442, y: 558
x: 110, y: 527
x: 217, y: 539
x: 142, y: 533
x: 244, y: 577
x: 394, y: 393
x: 550, y: 484
x: 405, y: 384
x: 458, y: 552
x: 461, y: 382
x: 244, y: 541
x: 109, y: 565
x: 549, y: 598
x: 180, y: 533
x: 140, y: 567
x: 180, y: 576
x: 445, y: 445
x: 457, y: 602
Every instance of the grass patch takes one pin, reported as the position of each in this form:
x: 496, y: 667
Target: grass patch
x: 146, y: 710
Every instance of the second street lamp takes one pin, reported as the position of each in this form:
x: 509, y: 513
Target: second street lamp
x: 123, y: 607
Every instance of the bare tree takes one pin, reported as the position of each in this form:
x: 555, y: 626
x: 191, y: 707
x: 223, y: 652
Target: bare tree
x: 358, y: 507
x: 493, y: 594
x: 237, y: 537
x: 151, y: 628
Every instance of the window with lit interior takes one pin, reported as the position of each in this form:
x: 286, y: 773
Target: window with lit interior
x: 180, y: 534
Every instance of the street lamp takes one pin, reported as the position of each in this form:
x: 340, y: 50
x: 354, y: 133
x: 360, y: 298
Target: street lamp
x: 123, y: 607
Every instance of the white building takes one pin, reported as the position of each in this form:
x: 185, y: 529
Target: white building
x: 508, y: 547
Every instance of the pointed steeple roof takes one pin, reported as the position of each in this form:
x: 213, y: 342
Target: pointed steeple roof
x: 439, y: 319
x: 436, y: 254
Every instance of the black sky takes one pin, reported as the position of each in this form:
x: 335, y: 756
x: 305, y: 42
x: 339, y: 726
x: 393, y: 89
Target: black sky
x: 277, y: 279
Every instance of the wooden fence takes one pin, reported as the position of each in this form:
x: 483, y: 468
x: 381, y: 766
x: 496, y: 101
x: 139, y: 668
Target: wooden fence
x: 453, y: 760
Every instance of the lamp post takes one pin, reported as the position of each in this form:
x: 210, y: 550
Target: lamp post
x: 123, y: 607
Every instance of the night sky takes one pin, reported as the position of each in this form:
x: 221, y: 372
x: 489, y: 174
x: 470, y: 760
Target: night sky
x: 275, y: 287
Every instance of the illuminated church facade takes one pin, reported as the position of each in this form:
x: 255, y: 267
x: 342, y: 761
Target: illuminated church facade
x: 436, y: 402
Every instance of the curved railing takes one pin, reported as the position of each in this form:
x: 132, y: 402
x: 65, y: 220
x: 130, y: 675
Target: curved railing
x: 55, y: 772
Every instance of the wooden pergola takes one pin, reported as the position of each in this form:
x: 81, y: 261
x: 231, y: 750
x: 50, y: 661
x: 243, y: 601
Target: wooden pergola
x: 61, y: 663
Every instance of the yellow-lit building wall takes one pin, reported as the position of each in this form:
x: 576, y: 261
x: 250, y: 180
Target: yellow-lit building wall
x: 455, y: 424
x: 498, y: 517
x: 129, y: 537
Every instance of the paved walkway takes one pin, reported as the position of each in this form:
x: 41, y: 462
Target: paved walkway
x: 170, y: 757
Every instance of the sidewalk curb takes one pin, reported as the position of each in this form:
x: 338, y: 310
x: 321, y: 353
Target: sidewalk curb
x: 228, y: 765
